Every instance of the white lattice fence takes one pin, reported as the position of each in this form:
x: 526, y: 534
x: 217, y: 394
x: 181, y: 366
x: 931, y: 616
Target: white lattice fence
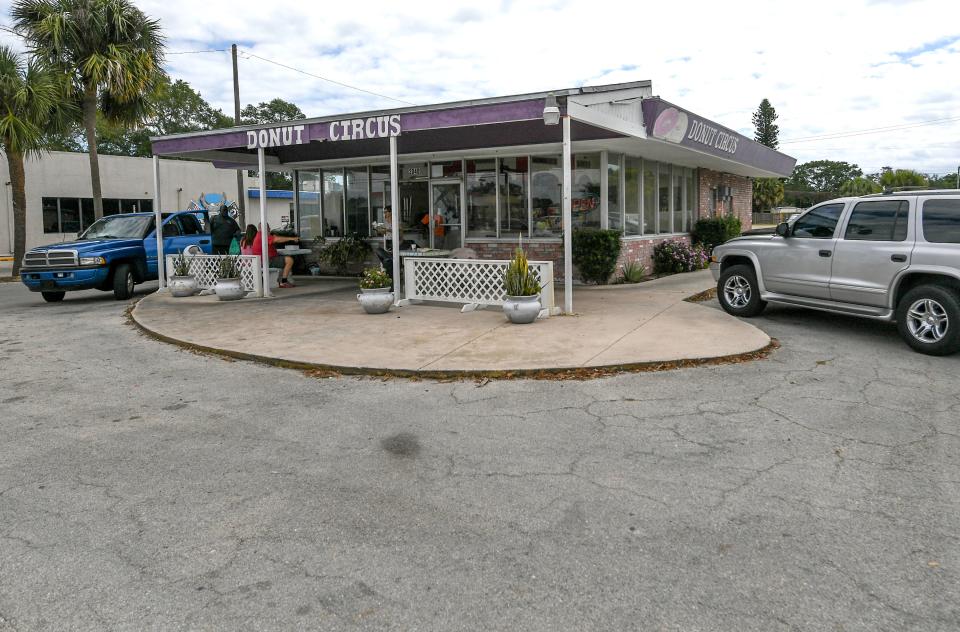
x: 206, y: 267
x: 477, y: 281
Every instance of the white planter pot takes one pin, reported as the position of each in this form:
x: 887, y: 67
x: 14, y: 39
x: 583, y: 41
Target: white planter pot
x: 376, y: 301
x: 229, y: 289
x: 522, y: 310
x: 183, y: 285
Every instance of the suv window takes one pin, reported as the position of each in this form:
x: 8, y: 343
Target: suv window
x: 171, y: 229
x: 941, y: 221
x: 818, y: 223
x: 190, y: 225
x: 880, y: 220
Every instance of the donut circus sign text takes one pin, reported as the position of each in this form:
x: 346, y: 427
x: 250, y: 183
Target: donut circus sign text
x: 349, y: 129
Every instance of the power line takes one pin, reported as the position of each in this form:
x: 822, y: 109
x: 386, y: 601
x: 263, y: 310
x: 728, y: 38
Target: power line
x: 194, y: 52
x: 339, y: 83
x: 872, y: 130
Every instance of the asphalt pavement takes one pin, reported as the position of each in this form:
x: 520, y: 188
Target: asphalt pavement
x: 145, y: 487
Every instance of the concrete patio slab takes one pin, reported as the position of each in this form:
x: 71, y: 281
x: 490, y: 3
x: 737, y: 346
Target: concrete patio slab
x: 321, y: 324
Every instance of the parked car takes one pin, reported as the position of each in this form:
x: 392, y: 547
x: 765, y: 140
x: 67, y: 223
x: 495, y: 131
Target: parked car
x: 114, y: 254
x: 888, y: 256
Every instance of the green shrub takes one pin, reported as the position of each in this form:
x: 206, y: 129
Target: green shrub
x: 347, y: 249
x: 713, y: 231
x: 595, y: 254
x: 632, y: 272
x: 518, y: 278
x: 678, y: 256
x: 374, y: 278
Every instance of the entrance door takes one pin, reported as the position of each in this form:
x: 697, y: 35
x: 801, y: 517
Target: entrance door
x: 446, y: 214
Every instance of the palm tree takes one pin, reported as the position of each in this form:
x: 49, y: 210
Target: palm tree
x: 31, y: 107
x: 112, y: 53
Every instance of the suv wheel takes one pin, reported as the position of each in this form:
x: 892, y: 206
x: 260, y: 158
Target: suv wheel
x: 928, y: 318
x: 123, y: 282
x: 738, y: 291
x: 53, y: 297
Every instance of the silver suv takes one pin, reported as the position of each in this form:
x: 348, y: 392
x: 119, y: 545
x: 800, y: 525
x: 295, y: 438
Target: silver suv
x: 889, y: 256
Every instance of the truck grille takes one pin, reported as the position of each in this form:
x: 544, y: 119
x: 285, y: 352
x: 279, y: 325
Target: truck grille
x: 50, y: 259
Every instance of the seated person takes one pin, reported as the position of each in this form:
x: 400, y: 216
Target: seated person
x: 276, y: 261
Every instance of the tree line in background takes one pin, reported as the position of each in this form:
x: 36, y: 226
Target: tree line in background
x: 92, y: 80
x: 820, y: 180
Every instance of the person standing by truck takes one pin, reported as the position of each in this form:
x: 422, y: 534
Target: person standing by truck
x: 223, y: 230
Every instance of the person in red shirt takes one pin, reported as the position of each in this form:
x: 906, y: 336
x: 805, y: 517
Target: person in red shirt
x: 276, y: 261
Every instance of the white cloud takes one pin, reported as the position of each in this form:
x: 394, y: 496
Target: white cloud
x: 826, y: 66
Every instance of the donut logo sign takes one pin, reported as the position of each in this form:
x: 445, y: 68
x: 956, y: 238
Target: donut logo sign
x: 671, y: 125
x: 674, y: 125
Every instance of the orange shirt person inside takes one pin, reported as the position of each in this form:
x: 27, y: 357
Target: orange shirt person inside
x: 438, y: 228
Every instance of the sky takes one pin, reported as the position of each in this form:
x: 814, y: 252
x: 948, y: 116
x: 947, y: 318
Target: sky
x: 829, y: 68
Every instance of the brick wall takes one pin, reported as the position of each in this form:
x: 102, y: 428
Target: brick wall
x: 742, y: 192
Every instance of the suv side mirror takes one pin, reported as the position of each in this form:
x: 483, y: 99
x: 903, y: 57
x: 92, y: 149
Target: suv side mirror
x: 783, y: 229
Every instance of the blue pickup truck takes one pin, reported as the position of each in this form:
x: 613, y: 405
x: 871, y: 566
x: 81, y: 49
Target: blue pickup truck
x: 114, y: 254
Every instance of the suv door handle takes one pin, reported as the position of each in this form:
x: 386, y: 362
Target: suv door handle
x: 826, y: 253
x: 898, y: 258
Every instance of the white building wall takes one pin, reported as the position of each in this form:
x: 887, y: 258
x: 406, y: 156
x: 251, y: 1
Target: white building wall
x: 67, y: 174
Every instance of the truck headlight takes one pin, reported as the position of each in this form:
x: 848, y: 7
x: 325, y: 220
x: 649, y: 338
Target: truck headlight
x: 93, y: 261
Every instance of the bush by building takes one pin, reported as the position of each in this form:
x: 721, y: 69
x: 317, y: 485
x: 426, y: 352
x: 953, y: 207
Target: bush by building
x: 713, y: 231
x: 677, y: 256
x: 595, y: 253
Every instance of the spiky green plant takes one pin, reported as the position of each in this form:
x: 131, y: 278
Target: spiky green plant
x: 229, y: 267
x: 181, y: 264
x: 518, y: 278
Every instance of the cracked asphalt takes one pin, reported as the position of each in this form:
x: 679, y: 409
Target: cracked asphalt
x: 143, y: 487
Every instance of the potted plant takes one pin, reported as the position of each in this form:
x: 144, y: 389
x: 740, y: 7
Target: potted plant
x: 181, y: 282
x: 376, y: 294
x: 229, y: 287
x: 523, y: 290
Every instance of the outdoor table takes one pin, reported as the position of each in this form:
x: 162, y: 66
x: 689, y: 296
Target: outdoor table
x: 425, y: 252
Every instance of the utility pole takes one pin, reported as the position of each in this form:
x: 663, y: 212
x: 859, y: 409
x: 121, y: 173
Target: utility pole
x: 241, y: 193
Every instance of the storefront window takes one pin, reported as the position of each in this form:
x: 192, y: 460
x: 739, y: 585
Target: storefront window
x: 585, y: 199
x: 663, y: 199
x: 649, y: 197
x: 678, y: 195
x: 482, y: 198
x: 631, y: 196
x: 69, y: 215
x: 448, y: 169
x: 357, y: 207
x: 546, y: 186
x: 86, y: 212
x: 309, y: 223
x: 691, y: 210
x: 614, y: 204
x: 514, y: 179
x: 332, y: 202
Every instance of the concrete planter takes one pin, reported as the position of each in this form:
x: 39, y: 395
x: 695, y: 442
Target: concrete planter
x: 376, y: 301
x: 181, y: 286
x: 229, y: 289
x: 522, y: 310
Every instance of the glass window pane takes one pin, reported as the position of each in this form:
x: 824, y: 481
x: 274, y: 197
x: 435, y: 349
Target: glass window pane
x: 882, y: 220
x: 546, y: 188
x: 482, y: 198
x: 358, y: 218
x: 332, y: 203
x: 111, y: 206
x: 447, y: 169
x: 86, y: 212
x: 585, y: 198
x: 678, y: 190
x: 309, y: 224
x: 51, y: 217
x: 69, y: 215
x: 514, y: 179
x: 631, y: 196
x: 663, y: 198
x: 380, y: 199
x: 692, y: 200
x: 649, y: 197
x: 818, y: 223
x: 614, y: 206
x: 941, y: 221
x: 146, y: 206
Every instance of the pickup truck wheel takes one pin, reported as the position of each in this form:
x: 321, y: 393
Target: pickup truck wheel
x: 53, y: 297
x: 928, y: 317
x: 739, y: 293
x: 123, y: 282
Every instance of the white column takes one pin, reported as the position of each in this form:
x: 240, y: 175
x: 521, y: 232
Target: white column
x: 264, y: 248
x: 567, y: 221
x: 395, y: 215
x: 157, y: 213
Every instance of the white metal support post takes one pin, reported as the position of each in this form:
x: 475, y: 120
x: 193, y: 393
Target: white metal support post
x: 395, y: 216
x: 567, y: 221
x: 161, y: 262
x: 264, y: 248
